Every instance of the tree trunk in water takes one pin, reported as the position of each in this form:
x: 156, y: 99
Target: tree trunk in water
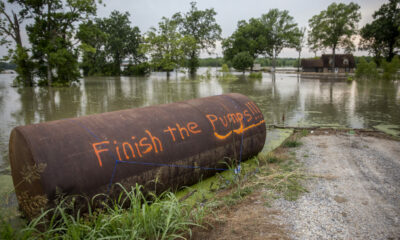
x: 192, y: 63
x: 391, y: 54
x: 49, y: 76
x: 273, y: 63
x: 298, y: 63
x: 333, y: 59
x: 26, y: 74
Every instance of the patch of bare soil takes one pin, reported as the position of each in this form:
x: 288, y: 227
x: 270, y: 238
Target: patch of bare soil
x: 251, y: 219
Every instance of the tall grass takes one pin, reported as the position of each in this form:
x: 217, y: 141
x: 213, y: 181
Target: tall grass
x: 132, y: 216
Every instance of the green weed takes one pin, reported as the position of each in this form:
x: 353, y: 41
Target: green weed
x: 131, y: 216
x: 292, y: 144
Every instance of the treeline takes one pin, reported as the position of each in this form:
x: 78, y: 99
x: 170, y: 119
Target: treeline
x: 5, y: 66
x: 61, y: 32
x: 264, y: 62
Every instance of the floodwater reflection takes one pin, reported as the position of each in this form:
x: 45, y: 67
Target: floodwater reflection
x: 287, y: 99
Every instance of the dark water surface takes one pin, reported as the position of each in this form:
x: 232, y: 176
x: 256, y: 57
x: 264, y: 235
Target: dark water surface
x: 284, y: 99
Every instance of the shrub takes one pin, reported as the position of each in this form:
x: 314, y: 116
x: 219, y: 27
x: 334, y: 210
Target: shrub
x: 255, y: 75
x: 390, y: 69
x: 242, y: 61
x: 366, y: 70
x: 140, y: 69
x: 225, y: 68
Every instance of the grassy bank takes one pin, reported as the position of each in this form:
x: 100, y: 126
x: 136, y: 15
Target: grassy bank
x: 169, y: 215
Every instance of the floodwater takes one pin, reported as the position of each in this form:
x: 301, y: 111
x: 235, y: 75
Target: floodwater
x: 285, y: 99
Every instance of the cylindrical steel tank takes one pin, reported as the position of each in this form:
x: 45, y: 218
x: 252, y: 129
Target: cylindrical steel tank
x: 175, y: 143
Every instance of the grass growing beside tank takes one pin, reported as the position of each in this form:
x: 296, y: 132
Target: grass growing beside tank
x: 162, y: 217
x: 171, y: 215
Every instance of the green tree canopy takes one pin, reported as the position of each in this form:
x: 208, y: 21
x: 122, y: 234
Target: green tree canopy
x: 268, y: 34
x: 202, y: 27
x: 381, y: 37
x: 334, y: 27
x: 248, y: 37
x: 52, y: 36
x: 107, y: 42
x: 166, y: 46
x: 122, y: 40
x: 93, y: 40
x: 242, y: 61
x: 280, y: 30
x: 10, y: 35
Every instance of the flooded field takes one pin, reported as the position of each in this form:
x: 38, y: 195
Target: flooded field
x: 285, y: 99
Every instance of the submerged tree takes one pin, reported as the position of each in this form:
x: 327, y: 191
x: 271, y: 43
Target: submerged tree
x: 122, y: 40
x: 268, y: 34
x: 382, y: 36
x: 52, y: 34
x: 334, y: 27
x: 10, y: 34
x: 248, y: 37
x: 165, y: 46
x: 92, y: 43
x: 107, y: 42
x: 242, y: 61
x: 280, y: 31
x: 202, y: 27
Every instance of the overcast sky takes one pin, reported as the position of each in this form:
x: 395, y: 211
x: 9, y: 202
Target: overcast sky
x: 147, y: 13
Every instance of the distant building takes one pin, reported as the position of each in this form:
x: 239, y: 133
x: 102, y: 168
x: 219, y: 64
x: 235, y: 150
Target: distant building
x: 343, y: 63
x: 257, y: 67
x: 312, y: 65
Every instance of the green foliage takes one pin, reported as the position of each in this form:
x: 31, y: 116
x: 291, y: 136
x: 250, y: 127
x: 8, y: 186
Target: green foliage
x: 52, y: 34
x: 106, y: 42
x: 381, y: 37
x: 93, y: 40
x: 166, y: 46
x: 390, y: 69
x: 292, y: 144
x: 349, y: 79
x: 225, y: 68
x: 226, y: 75
x: 211, y: 62
x: 281, y: 31
x: 140, y: 69
x: 122, y: 40
x: 131, y: 216
x: 10, y: 31
x: 248, y: 37
x: 200, y: 25
x: 255, y: 75
x: 366, y: 70
x: 242, y: 61
x: 334, y: 27
x: 268, y: 34
x: 24, y: 67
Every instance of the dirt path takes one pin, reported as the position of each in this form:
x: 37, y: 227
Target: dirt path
x: 353, y: 193
x: 356, y: 194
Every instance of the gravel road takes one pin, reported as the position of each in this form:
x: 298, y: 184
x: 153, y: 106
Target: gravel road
x: 355, y: 193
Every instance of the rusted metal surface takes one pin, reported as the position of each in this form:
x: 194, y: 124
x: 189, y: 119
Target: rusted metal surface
x: 175, y: 143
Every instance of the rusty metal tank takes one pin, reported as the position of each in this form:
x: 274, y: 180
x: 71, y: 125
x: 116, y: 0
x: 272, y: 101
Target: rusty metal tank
x: 176, y: 143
